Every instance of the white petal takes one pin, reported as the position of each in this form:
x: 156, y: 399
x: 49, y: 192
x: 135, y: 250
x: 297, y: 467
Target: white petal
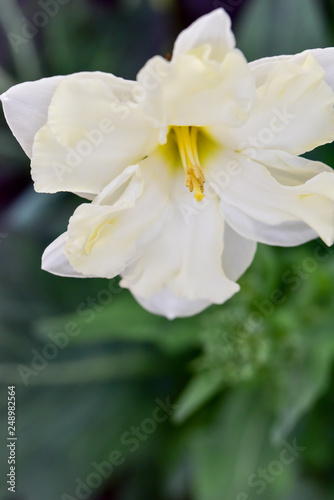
x: 157, y: 265
x: 162, y: 260
x: 194, y: 90
x: 286, y: 234
x: 256, y: 192
x: 106, y: 235
x: 293, y: 111
x: 83, y: 100
x: 26, y: 108
x: 186, y: 258
x: 290, y: 170
x: 55, y: 261
x: 325, y: 57
x: 213, y: 28
x: 91, y: 135
x: 201, y: 275
x: 238, y: 253
x: 166, y: 304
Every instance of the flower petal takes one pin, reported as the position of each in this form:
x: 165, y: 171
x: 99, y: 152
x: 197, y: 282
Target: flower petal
x: 159, y: 264
x: 194, y: 90
x: 214, y: 29
x: 106, y: 235
x: 26, y: 108
x: 260, y: 192
x: 237, y: 256
x: 55, y: 261
x: 293, y: 111
x: 91, y: 135
x: 166, y: 304
x: 286, y: 234
x: 325, y: 57
x: 201, y: 275
x: 186, y: 258
x: 238, y: 253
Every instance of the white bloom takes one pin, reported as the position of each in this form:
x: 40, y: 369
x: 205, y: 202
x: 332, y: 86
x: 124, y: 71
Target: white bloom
x: 187, y: 168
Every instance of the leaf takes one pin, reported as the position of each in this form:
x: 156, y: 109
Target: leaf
x: 63, y: 431
x: 198, y: 392
x: 22, y: 48
x: 267, y: 27
x: 6, y: 81
x: 227, y: 453
x: 308, y: 380
x: 92, y: 369
x: 123, y: 319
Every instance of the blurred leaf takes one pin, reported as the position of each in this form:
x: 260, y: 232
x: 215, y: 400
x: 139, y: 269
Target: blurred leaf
x: 227, y: 454
x: 71, y: 32
x: 268, y: 28
x: 92, y: 369
x: 10, y: 150
x: 6, y: 81
x: 308, y: 380
x: 22, y: 48
x: 63, y: 431
x: 124, y: 319
x: 198, y: 392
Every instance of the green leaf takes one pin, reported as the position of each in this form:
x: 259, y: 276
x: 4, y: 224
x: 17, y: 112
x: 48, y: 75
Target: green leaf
x: 268, y: 27
x: 6, y: 81
x: 123, y: 319
x: 198, y: 392
x: 63, y: 431
x: 22, y: 48
x: 227, y: 453
x: 94, y: 368
x: 307, y: 381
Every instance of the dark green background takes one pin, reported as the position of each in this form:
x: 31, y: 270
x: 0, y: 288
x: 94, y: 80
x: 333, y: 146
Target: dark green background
x: 247, y: 376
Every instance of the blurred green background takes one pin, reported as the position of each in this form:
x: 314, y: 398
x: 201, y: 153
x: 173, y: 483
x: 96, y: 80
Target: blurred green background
x: 114, y: 403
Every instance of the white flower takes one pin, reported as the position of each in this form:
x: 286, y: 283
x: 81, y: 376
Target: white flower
x: 187, y: 168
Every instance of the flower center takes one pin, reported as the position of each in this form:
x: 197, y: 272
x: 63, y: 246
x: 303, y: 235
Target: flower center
x: 186, y: 138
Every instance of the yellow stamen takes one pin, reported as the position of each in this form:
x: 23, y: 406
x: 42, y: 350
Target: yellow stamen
x: 187, y: 143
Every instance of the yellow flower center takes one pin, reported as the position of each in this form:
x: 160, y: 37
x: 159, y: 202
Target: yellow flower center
x: 186, y: 138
